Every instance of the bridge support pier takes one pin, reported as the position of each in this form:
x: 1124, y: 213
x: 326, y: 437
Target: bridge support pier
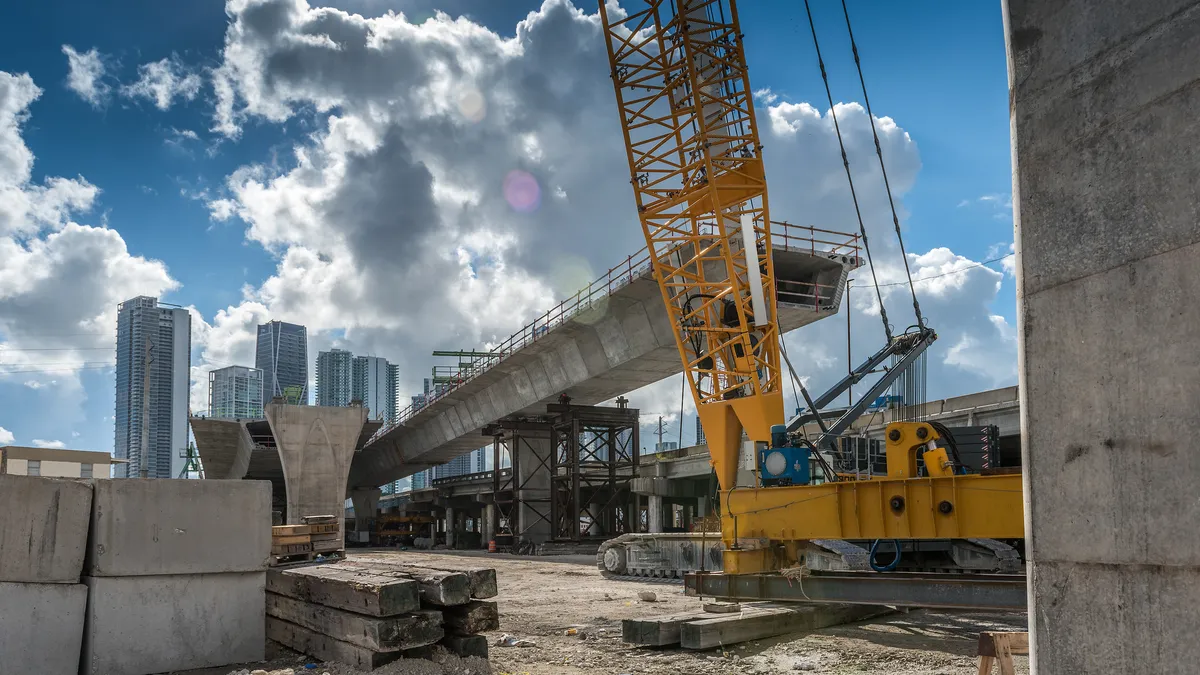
x: 315, y: 446
x: 366, y: 507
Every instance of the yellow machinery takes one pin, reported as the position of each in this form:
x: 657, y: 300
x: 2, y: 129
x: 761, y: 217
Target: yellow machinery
x: 696, y: 168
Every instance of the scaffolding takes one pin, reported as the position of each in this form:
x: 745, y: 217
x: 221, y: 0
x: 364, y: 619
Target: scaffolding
x: 570, y: 473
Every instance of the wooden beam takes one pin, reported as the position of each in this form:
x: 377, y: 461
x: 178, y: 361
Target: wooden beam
x: 380, y: 634
x: 769, y: 619
x: 364, y: 593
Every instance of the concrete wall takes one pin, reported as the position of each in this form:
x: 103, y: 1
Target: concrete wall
x: 41, y: 627
x: 146, y: 526
x: 1104, y: 118
x: 43, y: 535
x: 176, y: 573
x: 156, y: 624
x: 43, y: 528
x: 316, y: 445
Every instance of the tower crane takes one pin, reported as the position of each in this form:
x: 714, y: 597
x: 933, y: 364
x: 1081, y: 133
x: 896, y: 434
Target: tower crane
x: 696, y: 170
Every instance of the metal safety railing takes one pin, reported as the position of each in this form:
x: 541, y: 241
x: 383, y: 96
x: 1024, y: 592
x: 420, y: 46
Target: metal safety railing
x: 795, y: 237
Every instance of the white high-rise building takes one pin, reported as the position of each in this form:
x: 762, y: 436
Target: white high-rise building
x: 235, y: 392
x: 376, y: 383
x: 154, y: 344
x: 335, y: 380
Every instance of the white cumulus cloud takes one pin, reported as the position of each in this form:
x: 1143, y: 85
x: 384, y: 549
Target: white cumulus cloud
x: 162, y: 81
x: 40, y: 443
x: 460, y: 181
x: 60, y: 280
x: 6, y: 436
x: 85, y: 75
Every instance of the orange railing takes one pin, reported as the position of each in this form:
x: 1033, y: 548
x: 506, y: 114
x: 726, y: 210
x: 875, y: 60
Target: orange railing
x: 796, y: 237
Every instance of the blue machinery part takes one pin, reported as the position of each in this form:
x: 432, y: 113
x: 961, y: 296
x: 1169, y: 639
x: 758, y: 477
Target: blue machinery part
x: 784, y: 463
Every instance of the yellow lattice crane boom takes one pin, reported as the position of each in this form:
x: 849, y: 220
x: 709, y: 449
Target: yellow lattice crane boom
x: 696, y: 167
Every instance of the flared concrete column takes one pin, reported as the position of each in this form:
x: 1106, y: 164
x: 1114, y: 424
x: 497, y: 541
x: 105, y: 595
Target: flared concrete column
x: 366, y: 507
x: 451, y: 525
x: 1103, y: 108
x: 654, y: 513
x: 315, y: 447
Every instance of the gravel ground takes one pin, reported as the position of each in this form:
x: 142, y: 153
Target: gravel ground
x: 541, y: 599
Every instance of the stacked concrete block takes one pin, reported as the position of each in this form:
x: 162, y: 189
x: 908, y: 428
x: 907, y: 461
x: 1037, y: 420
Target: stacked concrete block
x: 175, y: 572
x: 43, y: 535
x: 367, y: 614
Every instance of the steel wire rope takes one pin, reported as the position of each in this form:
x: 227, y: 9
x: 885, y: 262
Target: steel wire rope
x: 887, y: 328
x: 879, y: 153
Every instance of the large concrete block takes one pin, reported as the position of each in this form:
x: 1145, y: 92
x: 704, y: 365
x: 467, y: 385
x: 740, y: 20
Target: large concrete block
x: 41, y: 627
x: 157, y: 624
x: 43, y: 528
x: 152, y: 526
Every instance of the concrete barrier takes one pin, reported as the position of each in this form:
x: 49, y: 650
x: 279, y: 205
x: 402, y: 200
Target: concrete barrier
x: 43, y: 528
x: 153, y: 624
x: 41, y: 627
x: 155, y: 527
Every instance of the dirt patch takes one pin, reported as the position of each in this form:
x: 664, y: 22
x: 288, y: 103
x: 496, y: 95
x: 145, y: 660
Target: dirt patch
x: 543, y: 599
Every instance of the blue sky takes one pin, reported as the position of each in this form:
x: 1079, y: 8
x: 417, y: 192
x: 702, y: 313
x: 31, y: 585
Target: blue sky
x: 937, y: 69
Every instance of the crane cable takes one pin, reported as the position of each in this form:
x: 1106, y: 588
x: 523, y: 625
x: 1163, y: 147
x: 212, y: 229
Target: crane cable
x: 887, y: 327
x: 879, y: 153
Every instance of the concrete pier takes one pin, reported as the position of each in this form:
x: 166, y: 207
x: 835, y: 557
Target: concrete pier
x: 1104, y: 97
x: 315, y: 446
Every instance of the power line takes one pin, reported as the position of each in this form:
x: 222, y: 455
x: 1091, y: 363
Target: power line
x: 985, y: 263
x: 68, y: 369
x: 4, y: 349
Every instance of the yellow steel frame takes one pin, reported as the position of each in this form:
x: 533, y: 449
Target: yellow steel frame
x: 898, y: 506
x: 696, y: 168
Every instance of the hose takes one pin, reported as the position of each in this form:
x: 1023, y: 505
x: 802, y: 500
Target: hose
x: 890, y: 567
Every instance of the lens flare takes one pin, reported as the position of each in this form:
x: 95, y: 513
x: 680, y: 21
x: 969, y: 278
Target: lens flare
x: 472, y: 105
x: 521, y: 191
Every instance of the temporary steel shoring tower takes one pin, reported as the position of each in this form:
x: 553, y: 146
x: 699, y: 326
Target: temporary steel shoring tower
x: 584, y: 458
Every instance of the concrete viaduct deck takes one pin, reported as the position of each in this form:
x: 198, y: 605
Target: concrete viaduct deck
x: 609, y: 339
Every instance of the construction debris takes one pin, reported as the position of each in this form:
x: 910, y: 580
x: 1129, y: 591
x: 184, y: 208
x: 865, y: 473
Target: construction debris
x: 369, y: 613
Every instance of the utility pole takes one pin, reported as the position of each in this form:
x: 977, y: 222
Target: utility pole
x: 660, y: 433
x: 143, y: 468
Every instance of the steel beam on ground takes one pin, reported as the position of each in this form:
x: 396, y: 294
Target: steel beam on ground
x: 940, y: 591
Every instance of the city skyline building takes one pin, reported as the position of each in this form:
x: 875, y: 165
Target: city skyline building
x: 376, y: 383
x: 700, y: 440
x: 281, y: 353
x: 235, y: 392
x: 335, y: 381
x: 154, y: 343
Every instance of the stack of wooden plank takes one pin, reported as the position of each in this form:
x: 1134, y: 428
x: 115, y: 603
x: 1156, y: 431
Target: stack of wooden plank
x: 290, y: 543
x: 369, y: 613
x: 325, y: 533
x: 726, y: 625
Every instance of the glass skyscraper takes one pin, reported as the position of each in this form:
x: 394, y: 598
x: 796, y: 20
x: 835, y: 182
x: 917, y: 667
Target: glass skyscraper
x: 235, y: 393
x: 376, y: 383
x: 282, y: 356
x: 154, y: 344
x: 334, y: 381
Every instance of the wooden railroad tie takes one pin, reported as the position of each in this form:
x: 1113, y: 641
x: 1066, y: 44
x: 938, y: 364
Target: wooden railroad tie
x: 999, y: 648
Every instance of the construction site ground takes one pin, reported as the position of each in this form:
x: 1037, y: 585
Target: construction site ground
x: 542, y: 598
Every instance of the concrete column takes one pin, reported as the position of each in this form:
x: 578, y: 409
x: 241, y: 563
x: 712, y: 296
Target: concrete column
x: 1103, y: 104
x: 701, y: 507
x: 451, y: 517
x: 366, y: 506
x: 315, y: 446
x: 654, y: 513
x: 488, y: 523
x: 533, y: 517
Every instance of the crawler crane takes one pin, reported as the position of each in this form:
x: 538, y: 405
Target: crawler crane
x: 696, y: 168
